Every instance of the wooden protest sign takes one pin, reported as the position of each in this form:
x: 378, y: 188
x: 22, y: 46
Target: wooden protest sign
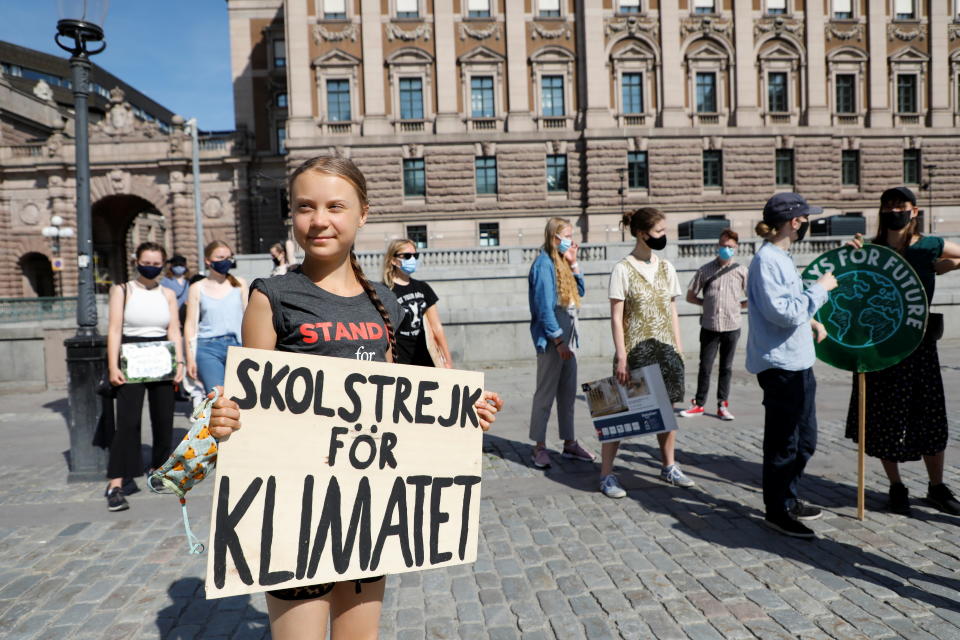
x: 343, y: 469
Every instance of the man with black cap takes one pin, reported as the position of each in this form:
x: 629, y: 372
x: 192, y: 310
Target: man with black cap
x: 780, y: 352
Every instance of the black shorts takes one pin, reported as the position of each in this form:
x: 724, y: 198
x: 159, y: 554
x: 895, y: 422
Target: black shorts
x: 317, y: 590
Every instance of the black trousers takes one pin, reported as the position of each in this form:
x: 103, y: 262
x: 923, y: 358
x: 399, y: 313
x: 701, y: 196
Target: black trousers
x: 125, y: 458
x: 789, y: 434
x: 710, y: 343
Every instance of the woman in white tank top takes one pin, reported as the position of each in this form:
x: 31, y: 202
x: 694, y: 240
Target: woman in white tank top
x: 140, y: 311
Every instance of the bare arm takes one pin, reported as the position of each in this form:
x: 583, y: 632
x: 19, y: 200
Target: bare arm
x: 190, y: 326
x: 115, y: 333
x: 244, y: 292
x: 949, y: 260
x: 173, y: 332
x: 676, y: 326
x: 616, y: 327
x: 693, y: 299
x: 258, y: 331
x: 433, y: 317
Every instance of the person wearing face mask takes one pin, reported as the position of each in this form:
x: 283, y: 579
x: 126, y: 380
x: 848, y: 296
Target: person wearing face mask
x: 140, y: 311
x: 215, y: 308
x: 421, y: 320
x: 720, y: 287
x: 555, y: 288
x: 780, y: 352
x: 646, y: 331
x: 279, y: 256
x: 906, y: 409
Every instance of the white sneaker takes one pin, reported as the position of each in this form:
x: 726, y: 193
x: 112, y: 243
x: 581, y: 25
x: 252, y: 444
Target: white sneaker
x: 611, y: 488
x: 723, y: 411
x: 673, y: 475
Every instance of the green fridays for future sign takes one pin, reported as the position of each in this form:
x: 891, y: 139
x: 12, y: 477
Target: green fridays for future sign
x: 877, y: 314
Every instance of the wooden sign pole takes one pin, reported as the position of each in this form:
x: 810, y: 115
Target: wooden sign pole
x: 861, y: 440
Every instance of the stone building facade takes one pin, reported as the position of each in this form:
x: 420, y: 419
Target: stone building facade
x: 473, y: 120
x: 141, y: 180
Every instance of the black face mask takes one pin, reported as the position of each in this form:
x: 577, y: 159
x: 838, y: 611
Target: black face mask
x: 149, y: 272
x: 895, y: 220
x: 657, y: 243
x: 802, y: 231
x: 276, y: 260
x: 223, y: 266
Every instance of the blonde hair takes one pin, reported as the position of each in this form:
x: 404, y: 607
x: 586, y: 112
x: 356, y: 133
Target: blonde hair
x: 220, y: 244
x: 389, y: 254
x: 567, y: 292
x: 766, y: 231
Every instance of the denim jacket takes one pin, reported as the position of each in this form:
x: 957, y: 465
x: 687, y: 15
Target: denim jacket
x: 545, y: 322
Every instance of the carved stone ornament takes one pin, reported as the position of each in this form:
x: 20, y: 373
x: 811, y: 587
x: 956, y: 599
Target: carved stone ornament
x: 394, y: 32
x: 413, y: 151
x: 322, y: 34
x: 833, y: 32
x: 120, y: 120
x: 911, y: 33
x: 480, y: 33
x: 119, y: 181
x: 53, y: 144
x: 550, y: 34
x: 634, y: 26
x: 29, y: 214
x: 213, y: 207
x: 43, y: 91
x: 777, y: 25
x: 706, y: 25
x: 954, y: 31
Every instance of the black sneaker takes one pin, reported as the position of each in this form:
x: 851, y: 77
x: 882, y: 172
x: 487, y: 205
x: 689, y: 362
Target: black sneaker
x: 899, y: 501
x: 804, y: 511
x: 788, y: 526
x: 940, y: 497
x: 129, y: 487
x: 116, y: 501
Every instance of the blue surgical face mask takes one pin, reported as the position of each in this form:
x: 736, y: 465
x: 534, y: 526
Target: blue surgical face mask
x: 565, y: 244
x: 148, y: 271
x: 223, y: 266
x: 409, y: 265
x: 178, y: 271
x: 726, y: 253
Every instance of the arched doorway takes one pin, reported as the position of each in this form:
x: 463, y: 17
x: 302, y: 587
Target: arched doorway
x: 120, y: 223
x: 37, y: 274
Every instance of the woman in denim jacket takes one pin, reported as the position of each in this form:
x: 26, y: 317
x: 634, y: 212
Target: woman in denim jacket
x: 556, y: 285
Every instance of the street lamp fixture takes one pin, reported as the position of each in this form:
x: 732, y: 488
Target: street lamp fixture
x: 55, y: 232
x: 80, y: 33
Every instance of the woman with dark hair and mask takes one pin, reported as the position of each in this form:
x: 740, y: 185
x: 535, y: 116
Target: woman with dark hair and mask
x: 906, y: 408
x: 215, y: 308
x: 646, y: 330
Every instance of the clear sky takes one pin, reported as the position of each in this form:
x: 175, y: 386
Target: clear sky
x: 175, y: 51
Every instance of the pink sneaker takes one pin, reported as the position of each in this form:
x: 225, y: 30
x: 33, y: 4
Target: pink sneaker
x: 577, y: 452
x: 540, y: 457
x: 723, y: 410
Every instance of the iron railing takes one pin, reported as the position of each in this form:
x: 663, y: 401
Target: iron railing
x: 37, y: 309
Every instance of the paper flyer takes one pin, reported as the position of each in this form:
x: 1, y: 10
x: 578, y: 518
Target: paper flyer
x: 639, y: 408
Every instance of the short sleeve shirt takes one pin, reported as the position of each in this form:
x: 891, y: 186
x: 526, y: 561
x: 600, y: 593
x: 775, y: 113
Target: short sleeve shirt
x: 414, y: 298
x: 722, y: 296
x: 308, y: 319
x: 620, y: 277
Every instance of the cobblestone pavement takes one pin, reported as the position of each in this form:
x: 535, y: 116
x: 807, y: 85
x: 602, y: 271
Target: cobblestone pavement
x: 556, y: 558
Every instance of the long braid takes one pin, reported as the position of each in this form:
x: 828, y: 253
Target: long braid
x: 375, y: 299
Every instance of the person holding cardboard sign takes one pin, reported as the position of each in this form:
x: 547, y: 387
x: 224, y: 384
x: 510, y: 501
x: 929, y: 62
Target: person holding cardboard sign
x: 906, y: 414
x: 141, y: 311
x: 780, y: 353
x: 326, y: 306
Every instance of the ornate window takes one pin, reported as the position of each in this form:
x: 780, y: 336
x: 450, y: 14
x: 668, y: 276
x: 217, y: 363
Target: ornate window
x: 905, y: 10
x: 549, y: 9
x: 485, y: 171
x: 279, y: 53
x: 784, y: 168
x: 332, y: 9
x: 628, y: 6
x: 638, y: 170
x: 407, y: 8
x: 556, y: 173
x: 479, y: 8
x: 705, y: 6
x: 841, y: 9
x: 707, y: 62
x: 481, y: 79
x: 776, y: 7
x: 409, y: 72
x: 417, y: 233
x: 955, y: 78
x: 911, y: 166
x: 489, y: 234
x: 552, y: 69
x: 337, y: 79
x: 850, y: 168
x: 634, y: 67
x: 847, y: 71
x: 781, y: 69
x: 414, y: 178
x: 712, y: 168
x: 908, y: 68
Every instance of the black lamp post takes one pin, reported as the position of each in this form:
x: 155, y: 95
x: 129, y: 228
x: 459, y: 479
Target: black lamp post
x: 79, y: 27
x: 622, y: 171
x: 933, y: 221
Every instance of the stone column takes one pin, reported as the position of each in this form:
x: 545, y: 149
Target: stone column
x: 374, y: 103
x: 300, y: 83
x: 518, y: 73
x: 671, y: 66
x: 8, y: 261
x: 448, y: 118
x: 818, y: 113
x: 880, y: 115
x: 747, y: 114
x: 593, y: 73
x: 939, y: 74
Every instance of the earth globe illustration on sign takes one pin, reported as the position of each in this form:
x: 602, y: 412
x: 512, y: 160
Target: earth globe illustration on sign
x: 866, y: 309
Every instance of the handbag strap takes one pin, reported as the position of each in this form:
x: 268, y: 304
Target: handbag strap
x: 727, y: 269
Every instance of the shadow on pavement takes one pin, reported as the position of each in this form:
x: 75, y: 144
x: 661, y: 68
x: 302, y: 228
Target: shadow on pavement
x: 735, y: 525
x: 190, y: 615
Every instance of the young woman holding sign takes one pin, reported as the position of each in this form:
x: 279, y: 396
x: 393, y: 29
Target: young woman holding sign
x: 646, y: 330
x: 287, y: 313
x: 140, y: 311
x: 906, y: 409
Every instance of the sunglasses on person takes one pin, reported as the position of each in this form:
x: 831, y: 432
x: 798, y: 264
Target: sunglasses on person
x: 407, y: 256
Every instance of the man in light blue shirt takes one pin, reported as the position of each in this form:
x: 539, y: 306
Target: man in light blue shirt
x: 780, y: 352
